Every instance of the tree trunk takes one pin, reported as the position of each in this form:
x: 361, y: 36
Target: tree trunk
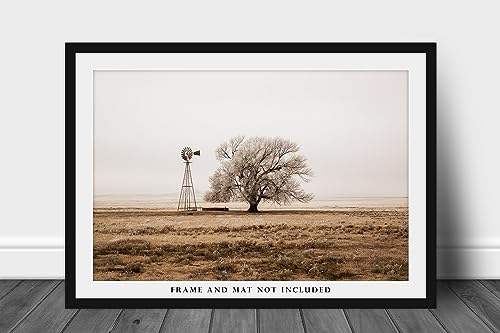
x: 253, y: 208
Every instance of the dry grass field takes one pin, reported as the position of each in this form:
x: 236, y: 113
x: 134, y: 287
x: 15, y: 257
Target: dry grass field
x: 343, y: 244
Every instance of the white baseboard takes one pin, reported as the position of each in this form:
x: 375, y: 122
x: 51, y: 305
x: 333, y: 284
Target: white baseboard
x: 48, y: 263
x: 32, y: 263
x: 468, y: 263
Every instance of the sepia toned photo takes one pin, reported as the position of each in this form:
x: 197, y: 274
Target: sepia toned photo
x: 250, y: 175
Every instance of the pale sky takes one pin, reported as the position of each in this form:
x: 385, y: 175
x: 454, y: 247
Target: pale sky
x: 351, y: 126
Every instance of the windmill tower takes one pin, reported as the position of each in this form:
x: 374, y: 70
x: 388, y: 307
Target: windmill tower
x: 187, y: 198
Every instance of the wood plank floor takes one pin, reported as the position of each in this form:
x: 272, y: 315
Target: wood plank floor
x: 38, y: 306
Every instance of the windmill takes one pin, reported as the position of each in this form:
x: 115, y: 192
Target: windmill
x: 187, y: 198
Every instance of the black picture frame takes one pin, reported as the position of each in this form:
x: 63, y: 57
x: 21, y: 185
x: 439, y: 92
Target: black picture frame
x: 71, y: 127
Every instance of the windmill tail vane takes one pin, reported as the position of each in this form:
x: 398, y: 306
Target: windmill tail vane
x: 187, y: 198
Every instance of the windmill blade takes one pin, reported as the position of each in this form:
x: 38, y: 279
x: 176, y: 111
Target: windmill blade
x: 186, y: 153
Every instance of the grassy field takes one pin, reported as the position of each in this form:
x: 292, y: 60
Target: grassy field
x: 343, y: 244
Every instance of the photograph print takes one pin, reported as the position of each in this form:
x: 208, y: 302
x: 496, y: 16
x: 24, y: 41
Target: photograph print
x: 262, y: 175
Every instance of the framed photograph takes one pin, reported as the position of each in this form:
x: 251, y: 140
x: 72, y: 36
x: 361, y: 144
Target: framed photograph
x: 241, y: 175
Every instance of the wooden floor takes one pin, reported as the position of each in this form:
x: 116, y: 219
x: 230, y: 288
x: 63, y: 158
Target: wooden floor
x: 38, y: 306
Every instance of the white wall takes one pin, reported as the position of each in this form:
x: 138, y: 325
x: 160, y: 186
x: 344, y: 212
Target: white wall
x: 32, y: 103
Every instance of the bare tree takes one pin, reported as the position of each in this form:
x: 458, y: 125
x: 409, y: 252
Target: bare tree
x: 259, y: 169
